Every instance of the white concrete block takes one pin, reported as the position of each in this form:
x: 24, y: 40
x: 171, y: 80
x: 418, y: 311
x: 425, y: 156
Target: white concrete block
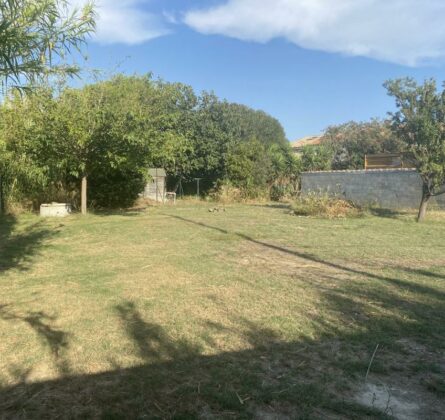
x: 55, y: 210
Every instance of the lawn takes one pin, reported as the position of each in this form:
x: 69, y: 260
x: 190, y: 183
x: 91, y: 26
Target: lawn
x: 178, y: 312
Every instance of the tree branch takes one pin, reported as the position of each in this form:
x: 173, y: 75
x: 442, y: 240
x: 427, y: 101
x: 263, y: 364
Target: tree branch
x: 438, y: 193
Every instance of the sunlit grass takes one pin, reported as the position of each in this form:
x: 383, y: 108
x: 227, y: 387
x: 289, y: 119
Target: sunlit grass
x: 309, y: 298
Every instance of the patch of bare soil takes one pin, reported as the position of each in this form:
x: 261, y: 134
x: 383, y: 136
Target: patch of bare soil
x: 404, y: 394
x: 396, y: 402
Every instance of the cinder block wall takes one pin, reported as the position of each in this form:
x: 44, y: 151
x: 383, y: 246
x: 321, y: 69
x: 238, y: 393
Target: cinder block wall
x: 388, y: 188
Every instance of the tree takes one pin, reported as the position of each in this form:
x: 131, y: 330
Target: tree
x: 248, y: 167
x: 220, y: 129
x: 102, y: 139
x: 351, y: 141
x: 316, y: 158
x: 109, y: 135
x: 26, y: 130
x: 36, y: 35
x: 420, y: 124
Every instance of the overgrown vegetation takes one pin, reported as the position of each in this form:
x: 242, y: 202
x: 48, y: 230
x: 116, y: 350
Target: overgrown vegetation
x: 325, y: 205
x: 415, y: 130
x: 176, y: 312
x: 345, y: 146
x: 109, y: 133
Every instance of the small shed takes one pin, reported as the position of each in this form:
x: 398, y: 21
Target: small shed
x: 156, y: 187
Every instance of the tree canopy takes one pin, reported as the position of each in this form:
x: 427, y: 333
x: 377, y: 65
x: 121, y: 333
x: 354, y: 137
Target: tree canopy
x: 350, y: 142
x: 419, y: 122
x: 111, y: 132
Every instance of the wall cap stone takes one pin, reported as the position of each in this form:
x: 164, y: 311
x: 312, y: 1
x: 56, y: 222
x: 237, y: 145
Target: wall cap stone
x: 363, y: 171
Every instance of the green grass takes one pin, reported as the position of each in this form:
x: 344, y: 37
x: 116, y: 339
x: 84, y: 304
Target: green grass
x: 176, y: 312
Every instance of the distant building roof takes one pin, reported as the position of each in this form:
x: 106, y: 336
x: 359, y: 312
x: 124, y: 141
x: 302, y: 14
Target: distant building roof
x: 306, y: 141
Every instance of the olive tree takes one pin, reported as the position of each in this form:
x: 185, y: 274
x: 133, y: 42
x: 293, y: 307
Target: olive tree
x: 420, y: 124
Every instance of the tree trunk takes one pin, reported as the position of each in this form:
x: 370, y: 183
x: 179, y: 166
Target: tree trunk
x: 83, y: 197
x: 423, y: 206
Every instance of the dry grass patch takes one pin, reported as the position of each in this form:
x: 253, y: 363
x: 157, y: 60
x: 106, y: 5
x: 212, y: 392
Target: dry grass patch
x: 178, y: 312
x: 323, y: 205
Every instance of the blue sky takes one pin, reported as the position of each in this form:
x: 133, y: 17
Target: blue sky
x: 308, y: 63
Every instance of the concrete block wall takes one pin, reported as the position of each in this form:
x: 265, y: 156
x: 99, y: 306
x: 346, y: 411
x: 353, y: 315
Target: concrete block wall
x: 387, y: 188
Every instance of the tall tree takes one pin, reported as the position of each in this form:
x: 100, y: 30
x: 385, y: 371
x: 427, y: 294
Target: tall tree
x: 420, y: 124
x: 109, y: 131
x: 36, y: 37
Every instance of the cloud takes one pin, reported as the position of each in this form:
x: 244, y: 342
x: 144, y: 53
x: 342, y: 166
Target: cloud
x: 409, y: 32
x: 125, y: 21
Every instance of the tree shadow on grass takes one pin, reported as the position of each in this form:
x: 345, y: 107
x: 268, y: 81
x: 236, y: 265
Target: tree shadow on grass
x: 41, y: 323
x: 272, y: 378
x: 423, y: 272
x: 151, y: 341
x: 312, y: 377
x: 284, y: 206
x: 18, y: 247
x: 417, y: 288
x: 176, y: 381
x: 389, y: 213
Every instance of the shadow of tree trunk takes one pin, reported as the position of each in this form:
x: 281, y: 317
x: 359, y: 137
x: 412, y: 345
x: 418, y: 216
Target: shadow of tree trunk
x: 19, y: 245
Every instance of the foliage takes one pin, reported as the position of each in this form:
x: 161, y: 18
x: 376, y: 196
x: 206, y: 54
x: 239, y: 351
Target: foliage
x: 35, y: 37
x: 350, y: 142
x: 220, y: 130
x: 420, y: 124
x: 324, y: 205
x: 316, y: 158
x: 112, y: 131
x: 27, y: 126
x: 115, y: 188
x: 226, y: 193
x: 248, y: 166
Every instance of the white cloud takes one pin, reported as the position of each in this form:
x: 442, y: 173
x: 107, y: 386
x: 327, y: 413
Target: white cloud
x: 125, y: 21
x: 407, y: 32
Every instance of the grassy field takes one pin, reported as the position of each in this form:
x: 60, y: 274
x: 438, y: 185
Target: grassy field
x: 176, y: 312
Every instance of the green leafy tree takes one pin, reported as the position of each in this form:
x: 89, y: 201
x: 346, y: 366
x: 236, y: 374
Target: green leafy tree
x: 420, y: 124
x: 36, y: 38
x: 316, y: 158
x: 26, y: 128
x: 248, y: 166
x: 172, y: 109
x: 101, y: 139
x: 220, y: 128
x: 109, y: 135
x: 352, y: 141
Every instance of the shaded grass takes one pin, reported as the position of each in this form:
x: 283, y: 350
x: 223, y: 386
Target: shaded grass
x: 178, y: 312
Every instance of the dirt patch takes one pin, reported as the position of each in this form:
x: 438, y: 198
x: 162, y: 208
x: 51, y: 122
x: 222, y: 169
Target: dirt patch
x: 398, y: 403
x: 403, y: 393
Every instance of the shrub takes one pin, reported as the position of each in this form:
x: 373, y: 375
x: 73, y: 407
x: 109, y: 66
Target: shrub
x: 283, y: 192
x: 323, y: 205
x: 226, y: 193
x: 115, y: 188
